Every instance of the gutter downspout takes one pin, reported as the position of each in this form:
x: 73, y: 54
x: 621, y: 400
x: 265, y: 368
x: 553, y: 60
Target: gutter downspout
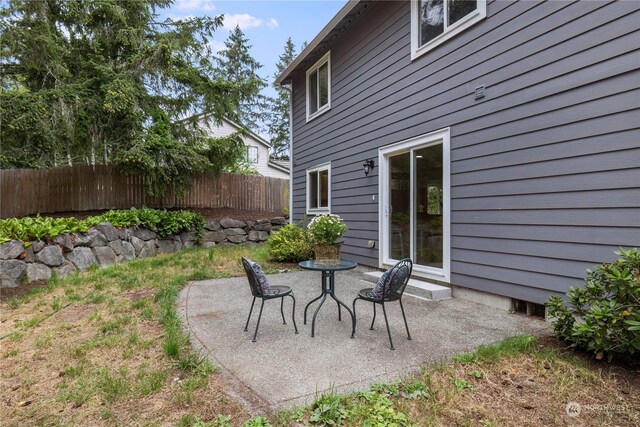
x: 289, y: 88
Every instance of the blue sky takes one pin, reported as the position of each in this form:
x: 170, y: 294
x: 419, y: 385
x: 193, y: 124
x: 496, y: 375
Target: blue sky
x: 266, y: 23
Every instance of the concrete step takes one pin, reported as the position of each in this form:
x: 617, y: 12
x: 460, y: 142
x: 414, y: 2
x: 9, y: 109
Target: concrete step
x: 416, y: 288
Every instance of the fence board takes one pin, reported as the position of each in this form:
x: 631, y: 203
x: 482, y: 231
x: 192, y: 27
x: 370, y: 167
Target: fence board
x: 82, y: 188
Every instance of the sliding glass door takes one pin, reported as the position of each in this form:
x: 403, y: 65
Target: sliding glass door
x: 415, y: 207
x: 427, y: 207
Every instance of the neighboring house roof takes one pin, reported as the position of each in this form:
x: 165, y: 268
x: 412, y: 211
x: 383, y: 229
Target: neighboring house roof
x: 276, y: 165
x: 282, y: 165
x: 255, y: 136
x: 343, y: 20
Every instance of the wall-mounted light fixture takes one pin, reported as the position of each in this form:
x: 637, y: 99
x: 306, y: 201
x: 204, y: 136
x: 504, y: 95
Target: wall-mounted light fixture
x: 368, y: 166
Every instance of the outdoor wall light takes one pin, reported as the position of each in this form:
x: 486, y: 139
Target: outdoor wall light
x: 368, y: 165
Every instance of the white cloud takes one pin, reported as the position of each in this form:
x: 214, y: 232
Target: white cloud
x: 195, y: 5
x: 216, y: 46
x: 244, y: 21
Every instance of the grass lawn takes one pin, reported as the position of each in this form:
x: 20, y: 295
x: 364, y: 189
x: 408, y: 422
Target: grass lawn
x: 105, y: 348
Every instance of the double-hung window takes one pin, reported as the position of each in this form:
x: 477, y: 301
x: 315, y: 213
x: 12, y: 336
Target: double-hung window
x: 435, y: 21
x: 319, y: 189
x: 252, y: 154
x: 319, y: 87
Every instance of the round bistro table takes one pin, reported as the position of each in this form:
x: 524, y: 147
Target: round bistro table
x: 328, y: 288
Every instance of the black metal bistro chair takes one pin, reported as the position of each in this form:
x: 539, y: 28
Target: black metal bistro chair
x: 389, y: 288
x: 260, y: 288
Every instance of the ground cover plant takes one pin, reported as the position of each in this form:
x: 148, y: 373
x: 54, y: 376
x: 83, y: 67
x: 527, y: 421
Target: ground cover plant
x: 163, y: 222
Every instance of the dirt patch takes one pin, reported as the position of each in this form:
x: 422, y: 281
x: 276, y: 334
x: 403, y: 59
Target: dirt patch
x: 8, y: 293
x: 139, y: 295
x: 75, y: 313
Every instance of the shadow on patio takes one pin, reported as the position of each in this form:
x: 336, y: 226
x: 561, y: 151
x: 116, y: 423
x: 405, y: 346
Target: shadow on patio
x: 283, y: 369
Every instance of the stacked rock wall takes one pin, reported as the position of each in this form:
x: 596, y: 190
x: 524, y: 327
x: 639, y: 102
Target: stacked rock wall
x: 105, y: 245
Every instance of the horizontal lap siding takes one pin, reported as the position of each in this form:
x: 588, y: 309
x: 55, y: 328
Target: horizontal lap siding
x: 545, y: 172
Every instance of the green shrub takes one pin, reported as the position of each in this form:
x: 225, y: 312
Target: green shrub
x: 290, y: 243
x: 603, y: 317
x: 163, y: 222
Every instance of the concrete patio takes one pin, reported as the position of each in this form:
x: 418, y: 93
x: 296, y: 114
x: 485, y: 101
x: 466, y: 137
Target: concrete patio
x: 283, y: 369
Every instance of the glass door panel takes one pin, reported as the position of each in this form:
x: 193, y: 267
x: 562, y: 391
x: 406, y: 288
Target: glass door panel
x: 428, y: 206
x: 399, y: 205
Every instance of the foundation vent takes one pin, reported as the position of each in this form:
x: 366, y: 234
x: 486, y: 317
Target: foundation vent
x: 529, y: 308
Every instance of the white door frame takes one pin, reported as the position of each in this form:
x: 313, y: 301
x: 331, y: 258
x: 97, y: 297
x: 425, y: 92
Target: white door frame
x: 440, y: 136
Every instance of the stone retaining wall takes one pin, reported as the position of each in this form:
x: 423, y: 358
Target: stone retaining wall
x: 105, y: 245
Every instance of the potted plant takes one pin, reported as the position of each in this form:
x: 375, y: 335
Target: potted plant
x: 325, y: 230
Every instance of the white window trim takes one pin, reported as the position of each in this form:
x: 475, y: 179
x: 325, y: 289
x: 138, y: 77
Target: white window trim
x: 318, y: 168
x: 440, y: 274
x: 257, y: 155
x: 449, y: 32
x: 326, y: 58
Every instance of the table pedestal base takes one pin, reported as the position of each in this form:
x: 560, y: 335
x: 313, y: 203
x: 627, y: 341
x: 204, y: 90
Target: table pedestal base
x: 328, y: 288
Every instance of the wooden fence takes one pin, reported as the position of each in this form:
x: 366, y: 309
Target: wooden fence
x: 83, y: 188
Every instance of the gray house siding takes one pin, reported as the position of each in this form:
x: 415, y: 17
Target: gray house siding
x: 545, y: 170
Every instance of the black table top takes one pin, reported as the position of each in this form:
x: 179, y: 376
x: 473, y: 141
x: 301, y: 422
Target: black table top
x: 342, y: 265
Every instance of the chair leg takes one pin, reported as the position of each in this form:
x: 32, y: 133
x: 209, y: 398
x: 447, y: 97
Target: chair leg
x: 406, y: 325
x: 387, y: 322
x: 284, y: 322
x: 353, y: 329
x: 374, y: 317
x: 250, y: 311
x: 255, y: 334
x: 293, y: 312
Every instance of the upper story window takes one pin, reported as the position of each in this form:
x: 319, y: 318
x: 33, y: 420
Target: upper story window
x: 435, y: 21
x: 252, y: 154
x: 319, y: 189
x: 319, y: 87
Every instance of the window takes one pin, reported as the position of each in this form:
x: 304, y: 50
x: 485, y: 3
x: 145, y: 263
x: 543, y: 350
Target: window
x: 252, y: 154
x: 319, y: 189
x: 435, y: 21
x: 319, y: 87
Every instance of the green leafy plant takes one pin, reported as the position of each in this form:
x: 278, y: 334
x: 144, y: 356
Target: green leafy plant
x: 163, y: 222
x: 329, y: 410
x: 391, y: 389
x: 258, y: 421
x: 380, y: 411
x: 462, y: 385
x: 603, y: 317
x: 290, y: 243
x: 414, y: 390
x: 191, y: 421
x: 476, y: 374
x: 326, y: 229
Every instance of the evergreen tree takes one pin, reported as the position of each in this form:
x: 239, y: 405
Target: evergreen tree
x: 238, y: 66
x: 96, y: 82
x: 279, y: 121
